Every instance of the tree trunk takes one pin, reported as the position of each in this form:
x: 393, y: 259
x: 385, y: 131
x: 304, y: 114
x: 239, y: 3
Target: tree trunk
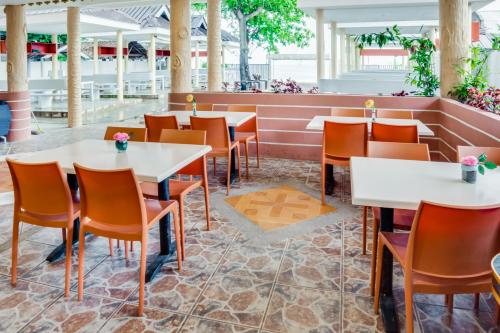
x: 244, y: 69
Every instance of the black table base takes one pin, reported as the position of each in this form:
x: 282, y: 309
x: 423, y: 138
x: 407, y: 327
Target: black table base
x: 329, y: 181
x: 234, y: 169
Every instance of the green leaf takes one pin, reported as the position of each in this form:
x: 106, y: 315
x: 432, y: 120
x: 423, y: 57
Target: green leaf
x: 490, y: 165
x: 481, y: 169
x: 482, y: 158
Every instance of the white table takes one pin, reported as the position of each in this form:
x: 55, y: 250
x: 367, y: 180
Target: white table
x: 390, y: 184
x: 317, y: 123
x: 233, y: 119
x: 153, y: 162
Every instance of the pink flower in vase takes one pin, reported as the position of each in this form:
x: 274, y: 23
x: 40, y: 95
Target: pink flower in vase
x: 470, y: 161
x: 119, y: 136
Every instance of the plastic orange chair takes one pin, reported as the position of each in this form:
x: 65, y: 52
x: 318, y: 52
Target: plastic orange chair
x: 448, y: 251
x: 199, y: 107
x: 394, y: 114
x: 347, y: 112
x: 403, y: 218
x: 493, y: 153
x: 341, y: 141
x: 138, y: 134
x: 394, y: 133
x: 112, y: 205
x: 155, y: 124
x: 180, y: 188
x: 42, y: 197
x: 218, y: 138
x: 247, y: 132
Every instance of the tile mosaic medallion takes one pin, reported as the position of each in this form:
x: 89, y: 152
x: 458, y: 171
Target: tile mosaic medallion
x: 278, y: 207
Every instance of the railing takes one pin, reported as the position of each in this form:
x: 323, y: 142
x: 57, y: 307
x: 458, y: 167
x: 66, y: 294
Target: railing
x: 384, y: 67
x: 232, y: 72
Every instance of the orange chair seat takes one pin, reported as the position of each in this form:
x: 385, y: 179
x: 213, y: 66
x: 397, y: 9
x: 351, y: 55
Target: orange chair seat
x: 58, y: 220
x: 176, y: 188
x: 244, y: 137
x: 403, y: 218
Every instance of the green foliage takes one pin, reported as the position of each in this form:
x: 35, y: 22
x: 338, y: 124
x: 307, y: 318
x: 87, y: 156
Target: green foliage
x: 421, y: 51
x: 45, y: 38
x: 484, y: 163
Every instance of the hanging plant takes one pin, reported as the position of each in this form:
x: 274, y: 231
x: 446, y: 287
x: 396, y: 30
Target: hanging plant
x: 421, y: 51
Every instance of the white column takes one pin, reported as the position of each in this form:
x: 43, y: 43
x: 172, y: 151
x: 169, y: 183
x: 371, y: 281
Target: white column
x: 119, y: 65
x: 197, y: 64
x: 17, y: 58
x: 126, y: 64
x: 96, y: 56
x: 214, y: 46
x: 55, y: 62
x: 455, y: 32
x: 343, y: 60
x: 74, y: 68
x: 348, y: 55
x: 152, y: 63
x: 320, y: 45
x: 333, y: 50
x: 223, y: 65
x: 180, y: 45
x: 357, y: 59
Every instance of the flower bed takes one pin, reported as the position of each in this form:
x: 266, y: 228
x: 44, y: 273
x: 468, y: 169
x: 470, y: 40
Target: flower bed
x: 489, y: 100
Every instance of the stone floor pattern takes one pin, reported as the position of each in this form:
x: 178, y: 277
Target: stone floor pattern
x: 317, y: 282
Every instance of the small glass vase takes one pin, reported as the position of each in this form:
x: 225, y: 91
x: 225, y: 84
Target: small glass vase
x: 469, y: 173
x: 194, y: 109
x: 121, y: 146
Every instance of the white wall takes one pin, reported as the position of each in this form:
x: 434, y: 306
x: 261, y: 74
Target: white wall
x: 494, y: 63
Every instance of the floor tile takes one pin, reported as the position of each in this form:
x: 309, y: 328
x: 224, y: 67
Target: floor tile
x: 30, y: 255
x: 195, y: 325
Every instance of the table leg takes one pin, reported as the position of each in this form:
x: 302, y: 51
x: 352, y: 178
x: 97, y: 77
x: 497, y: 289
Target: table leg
x: 167, y: 247
x: 329, y: 182
x: 234, y: 170
x: 60, y: 250
x: 387, y: 303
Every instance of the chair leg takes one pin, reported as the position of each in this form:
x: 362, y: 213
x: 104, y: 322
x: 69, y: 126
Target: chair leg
x: 142, y: 273
x: 449, y: 302
x: 228, y: 173
x: 374, y: 256
x: 177, y: 236
x: 257, y: 152
x: 215, y: 166
x: 323, y: 178
x: 125, y: 246
x: 110, y: 246
x: 409, y: 308
x: 246, y: 156
x: 181, y: 223
x: 15, y: 246
x: 238, y: 154
x: 81, y: 258
x: 365, y: 213
x: 378, y: 275
x: 63, y: 232
x: 69, y: 248
x: 207, y: 205
x: 132, y: 246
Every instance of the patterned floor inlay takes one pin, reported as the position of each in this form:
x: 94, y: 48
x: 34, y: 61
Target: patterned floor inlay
x: 278, y: 207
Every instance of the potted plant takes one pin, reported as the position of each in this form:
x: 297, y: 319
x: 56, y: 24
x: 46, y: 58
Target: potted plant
x: 472, y: 164
x: 121, y: 141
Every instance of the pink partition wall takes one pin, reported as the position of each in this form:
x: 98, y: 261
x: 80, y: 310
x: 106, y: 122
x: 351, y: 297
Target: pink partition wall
x: 283, y: 118
x: 20, y: 109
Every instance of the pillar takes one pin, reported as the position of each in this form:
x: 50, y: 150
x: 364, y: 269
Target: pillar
x: 357, y: 57
x: 342, y: 48
x: 333, y: 50
x: 320, y: 45
x: 223, y: 66
x: 96, y: 56
x: 454, y: 41
x: 17, y: 74
x: 119, y: 65
x: 180, y: 45
x: 125, y: 65
x: 55, y: 62
x: 74, y: 68
x: 197, y: 64
x: 348, y: 54
x: 152, y: 63
x: 214, y: 47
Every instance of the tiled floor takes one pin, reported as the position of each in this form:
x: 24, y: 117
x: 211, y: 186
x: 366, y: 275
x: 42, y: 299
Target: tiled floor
x: 315, y: 282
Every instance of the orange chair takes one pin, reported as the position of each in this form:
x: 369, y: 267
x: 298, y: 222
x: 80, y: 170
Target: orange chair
x: 42, y: 197
x: 136, y: 133
x: 493, y: 153
x: 180, y: 188
x: 448, y: 251
x: 218, y: 138
x: 394, y: 133
x: 113, y: 206
x: 155, y: 124
x: 403, y: 218
x: 347, y: 112
x: 247, y: 132
x: 394, y: 114
x: 340, y: 142
x: 199, y: 107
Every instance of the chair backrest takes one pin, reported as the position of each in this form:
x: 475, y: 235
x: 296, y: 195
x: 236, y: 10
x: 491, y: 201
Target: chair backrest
x: 447, y: 241
x: 216, y: 128
x: 111, y: 197
x: 399, y: 150
x: 249, y: 126
x: 135, y: 133
x: 394, y: 114
x: 40, y: 188
x: 199, y: 107
x: 394, y: 133
x: 190, y: 137
x: 347, y: 112
x: 344, y: 140
x: 155, y: 124
x: 492, y: 153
